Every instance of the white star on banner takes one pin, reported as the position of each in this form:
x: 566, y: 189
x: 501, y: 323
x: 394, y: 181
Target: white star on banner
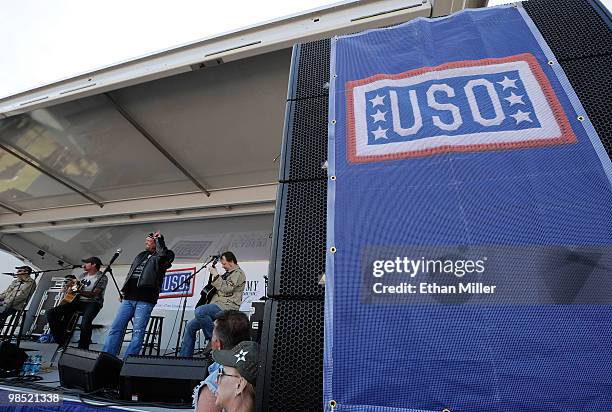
x: 380, y: 133
x: 379, y: 116
x: 520, y: 116
x: 507, y: 83
x: 378, y: 100
x: 514, y: 99
x: 241, y: 356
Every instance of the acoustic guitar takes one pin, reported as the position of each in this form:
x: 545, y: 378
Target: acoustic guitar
x: 209, y: 290
x: 72, y: 293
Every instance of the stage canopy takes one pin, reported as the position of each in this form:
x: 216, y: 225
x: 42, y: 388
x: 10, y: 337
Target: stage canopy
x: 188, y: 133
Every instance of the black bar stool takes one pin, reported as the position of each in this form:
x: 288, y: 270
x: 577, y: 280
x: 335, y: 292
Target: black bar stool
x: 152, y: 339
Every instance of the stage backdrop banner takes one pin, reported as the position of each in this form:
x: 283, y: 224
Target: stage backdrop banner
x: 469, y: 260
x: 173, y: 300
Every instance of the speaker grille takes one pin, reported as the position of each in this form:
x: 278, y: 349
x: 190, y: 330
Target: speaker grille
x: 295, y: 381
x: 313, y: 71
x: 306, y: 141
x: 300, y: 253
x: 572, y: 28
x: 591, y: 78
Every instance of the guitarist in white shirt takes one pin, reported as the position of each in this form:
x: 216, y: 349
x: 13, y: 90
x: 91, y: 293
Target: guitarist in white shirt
x: 229, y: 287
x: 89, y: 301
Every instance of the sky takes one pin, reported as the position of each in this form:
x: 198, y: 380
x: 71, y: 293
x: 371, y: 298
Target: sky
x: 45, y: 41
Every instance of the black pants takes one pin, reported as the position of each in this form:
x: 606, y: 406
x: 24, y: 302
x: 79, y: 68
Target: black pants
x: 59, y: 316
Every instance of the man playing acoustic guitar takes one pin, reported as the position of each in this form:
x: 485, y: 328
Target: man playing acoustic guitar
x: 229, y: 286
x: 85, y: 294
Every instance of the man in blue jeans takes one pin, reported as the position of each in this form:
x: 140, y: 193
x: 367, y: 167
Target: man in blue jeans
x: 140, y: 292
x: 230, y: 286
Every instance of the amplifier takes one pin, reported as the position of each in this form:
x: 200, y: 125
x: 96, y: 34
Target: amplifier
x: 256, y: 319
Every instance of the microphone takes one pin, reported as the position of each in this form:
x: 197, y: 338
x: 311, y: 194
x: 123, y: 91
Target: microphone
x: 115, y: 256
x: 76, y: 266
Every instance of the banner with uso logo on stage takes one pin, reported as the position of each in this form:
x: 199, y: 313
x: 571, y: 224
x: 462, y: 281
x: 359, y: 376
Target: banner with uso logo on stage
x: 469, y: 263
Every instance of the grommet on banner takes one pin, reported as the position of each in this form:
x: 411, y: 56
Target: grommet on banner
x: 332, y: 177
x: 332, y: 404
x: 334, y: 121
x: 581, y: 118
x: 446, y: 410
x: 550, y: 62
x: 332, y: 249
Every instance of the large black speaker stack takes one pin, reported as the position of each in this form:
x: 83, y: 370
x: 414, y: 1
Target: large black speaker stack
x: 292, y: 336
x: 291, y: 375
x: 579, y: 34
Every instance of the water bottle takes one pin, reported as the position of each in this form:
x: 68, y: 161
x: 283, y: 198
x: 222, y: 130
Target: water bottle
x: 27, y: 366
x: 36, y: 364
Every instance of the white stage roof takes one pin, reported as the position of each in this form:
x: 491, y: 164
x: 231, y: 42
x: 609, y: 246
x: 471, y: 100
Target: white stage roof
x: 185, y: 134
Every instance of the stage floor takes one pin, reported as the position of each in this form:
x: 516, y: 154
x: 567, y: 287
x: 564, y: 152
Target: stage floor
x: 50, y: 383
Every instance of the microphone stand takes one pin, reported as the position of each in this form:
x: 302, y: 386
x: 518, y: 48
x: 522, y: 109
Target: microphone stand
x: 178, y: 336
x: 109, y: 270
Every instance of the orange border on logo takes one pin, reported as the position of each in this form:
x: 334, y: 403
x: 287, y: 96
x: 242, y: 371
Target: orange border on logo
x: 567, y: 134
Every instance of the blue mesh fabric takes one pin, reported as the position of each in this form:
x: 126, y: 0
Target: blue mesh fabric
x: 539, y: 212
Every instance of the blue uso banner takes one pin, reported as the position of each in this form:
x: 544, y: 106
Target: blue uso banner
x: 469, y: 262
x: 176, y: 285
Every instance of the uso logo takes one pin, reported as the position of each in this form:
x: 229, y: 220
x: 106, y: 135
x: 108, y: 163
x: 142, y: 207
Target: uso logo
x: 490, y: 104
x: 173, y: 286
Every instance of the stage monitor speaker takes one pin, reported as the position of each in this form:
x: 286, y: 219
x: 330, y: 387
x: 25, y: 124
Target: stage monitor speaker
x: 11, y: 359
x: 161, y: 379
x: 88, y: 370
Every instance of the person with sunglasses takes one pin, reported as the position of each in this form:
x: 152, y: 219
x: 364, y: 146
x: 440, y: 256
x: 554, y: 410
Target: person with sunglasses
x: 231, y: 328
x: 237, y: 377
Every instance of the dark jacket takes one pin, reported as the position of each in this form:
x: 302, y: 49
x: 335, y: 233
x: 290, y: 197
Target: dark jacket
x: 155, y: 268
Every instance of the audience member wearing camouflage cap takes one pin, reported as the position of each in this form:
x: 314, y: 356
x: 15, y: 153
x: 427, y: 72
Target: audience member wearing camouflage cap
x: 237, y: 376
